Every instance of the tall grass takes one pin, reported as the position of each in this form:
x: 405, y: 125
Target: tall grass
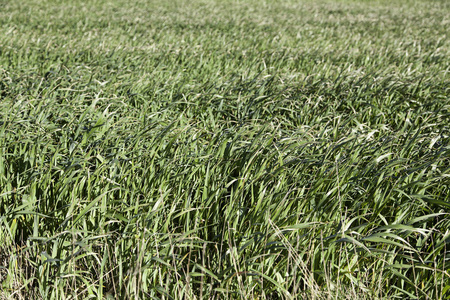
x: 232, y: 149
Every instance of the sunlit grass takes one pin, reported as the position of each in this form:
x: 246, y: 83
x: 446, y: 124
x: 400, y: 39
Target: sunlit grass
x: 237, y: 149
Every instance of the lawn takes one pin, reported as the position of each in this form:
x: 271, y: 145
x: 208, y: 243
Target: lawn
x: 224, y: 149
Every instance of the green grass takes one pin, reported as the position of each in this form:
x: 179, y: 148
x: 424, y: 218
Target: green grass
x: 224, y: 149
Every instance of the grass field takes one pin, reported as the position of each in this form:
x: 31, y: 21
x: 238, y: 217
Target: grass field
x: 224, y: 149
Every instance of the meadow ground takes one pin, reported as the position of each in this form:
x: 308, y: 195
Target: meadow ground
x: 224, y: 149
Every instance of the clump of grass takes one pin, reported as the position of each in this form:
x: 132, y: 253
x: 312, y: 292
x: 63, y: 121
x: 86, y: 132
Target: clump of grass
x: 224, y: 150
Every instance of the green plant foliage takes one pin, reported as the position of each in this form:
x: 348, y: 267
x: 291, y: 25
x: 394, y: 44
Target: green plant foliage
x: 224, y: 149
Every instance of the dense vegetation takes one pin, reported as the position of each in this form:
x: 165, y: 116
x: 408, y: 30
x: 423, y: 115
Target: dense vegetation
x: 224, y: 149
